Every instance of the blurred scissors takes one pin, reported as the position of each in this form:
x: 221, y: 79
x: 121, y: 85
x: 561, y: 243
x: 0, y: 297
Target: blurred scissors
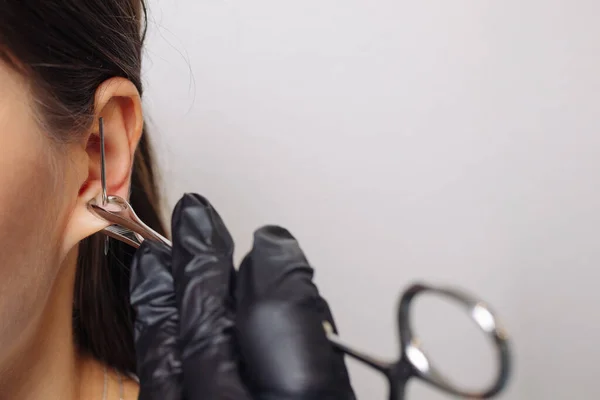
x: 413, y: 363
x: 126, y: 227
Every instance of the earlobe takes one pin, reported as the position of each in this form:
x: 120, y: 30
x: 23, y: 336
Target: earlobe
x: 118, y: 103
x: 82, y: 223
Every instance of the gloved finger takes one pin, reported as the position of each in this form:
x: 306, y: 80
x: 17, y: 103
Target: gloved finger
x: 280, y: 316
x: 203, y: 270
x: 156, y: 324
x: 277, y: 268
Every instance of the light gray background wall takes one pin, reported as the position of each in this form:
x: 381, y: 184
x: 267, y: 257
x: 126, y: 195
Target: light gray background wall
x: 450, y: 141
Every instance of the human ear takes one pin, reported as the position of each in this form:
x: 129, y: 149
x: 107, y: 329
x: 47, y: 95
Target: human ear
x: 117, y: 102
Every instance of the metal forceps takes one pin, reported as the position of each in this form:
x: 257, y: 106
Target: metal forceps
x: 414, y: 363
x: 126, y: 227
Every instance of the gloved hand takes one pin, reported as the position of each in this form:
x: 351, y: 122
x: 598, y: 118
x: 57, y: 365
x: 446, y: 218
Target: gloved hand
x: 204, y: 332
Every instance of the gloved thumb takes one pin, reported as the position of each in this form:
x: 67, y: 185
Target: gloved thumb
x: 280, y: 315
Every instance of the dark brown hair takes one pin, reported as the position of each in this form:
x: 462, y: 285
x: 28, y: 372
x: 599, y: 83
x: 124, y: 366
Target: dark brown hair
x: 67, y: 48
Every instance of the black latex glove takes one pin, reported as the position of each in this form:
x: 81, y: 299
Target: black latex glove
x: 204, y: 333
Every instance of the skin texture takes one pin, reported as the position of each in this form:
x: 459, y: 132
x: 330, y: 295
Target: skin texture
x: 44, y: 189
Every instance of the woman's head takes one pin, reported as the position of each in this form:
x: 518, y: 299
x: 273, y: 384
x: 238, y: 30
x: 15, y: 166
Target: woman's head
x: 64, y: 64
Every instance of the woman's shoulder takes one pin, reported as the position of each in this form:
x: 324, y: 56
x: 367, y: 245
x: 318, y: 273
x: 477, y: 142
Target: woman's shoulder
x: 131, y: 387
x: 124, y: 386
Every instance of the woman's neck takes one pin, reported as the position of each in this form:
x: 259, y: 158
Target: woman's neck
x: 47, y: 366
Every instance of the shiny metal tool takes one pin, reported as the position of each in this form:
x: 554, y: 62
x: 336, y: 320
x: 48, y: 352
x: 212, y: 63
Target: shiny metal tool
x: 414, y: 363
x: 126, y: 227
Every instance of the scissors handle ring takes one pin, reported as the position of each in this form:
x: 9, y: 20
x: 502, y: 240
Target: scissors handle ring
x: 483, y: 317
